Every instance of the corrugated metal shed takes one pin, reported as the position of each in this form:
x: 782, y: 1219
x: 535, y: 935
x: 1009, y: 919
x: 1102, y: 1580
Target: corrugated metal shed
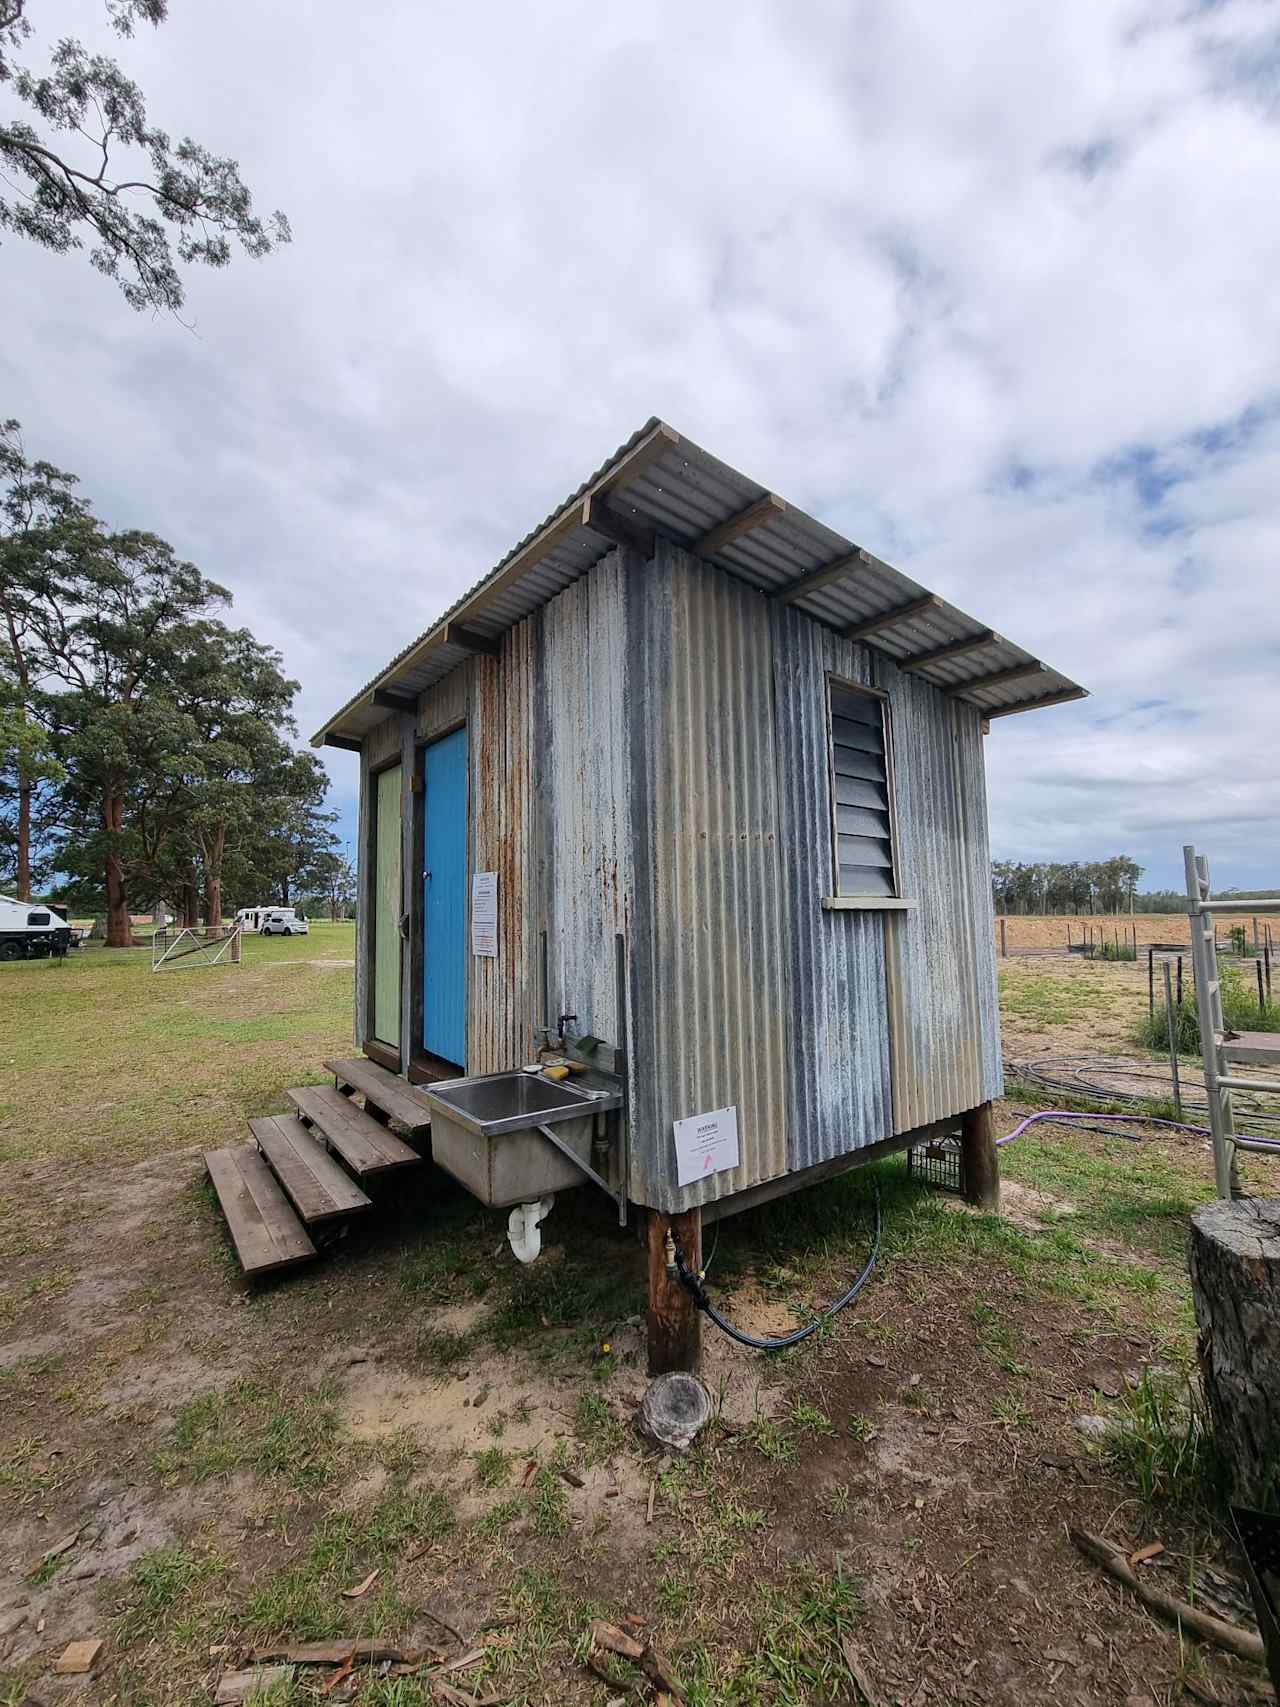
x: 660, y: 483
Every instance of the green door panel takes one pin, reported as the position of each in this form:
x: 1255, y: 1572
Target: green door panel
x: 387, y: 907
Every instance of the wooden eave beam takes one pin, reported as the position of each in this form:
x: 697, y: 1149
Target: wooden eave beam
x: 766, y: 509
x: 891, y: 618
x: 390, y: 700
x: 471, y: 640
x: 997, y: 678
x: 816, y: 578
x: 601, y: 519
x: 343, y: 741
x: 1035, y: 704
x: 954, y: 649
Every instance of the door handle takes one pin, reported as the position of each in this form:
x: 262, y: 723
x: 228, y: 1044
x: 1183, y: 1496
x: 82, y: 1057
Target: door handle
x: 404, y: 926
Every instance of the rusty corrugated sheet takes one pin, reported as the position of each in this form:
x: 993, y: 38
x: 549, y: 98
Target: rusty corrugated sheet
x: 500, y: 990
x: 838, y: 1020
x: 443, y: 706
x: 709, y: 973
x: 945, y: 1047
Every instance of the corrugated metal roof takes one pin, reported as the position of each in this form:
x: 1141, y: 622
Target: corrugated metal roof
x: 663, y: 482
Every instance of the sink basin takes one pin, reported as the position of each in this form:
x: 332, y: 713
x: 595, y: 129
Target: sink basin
x: 513, y: 1102
x: 484, y: 1131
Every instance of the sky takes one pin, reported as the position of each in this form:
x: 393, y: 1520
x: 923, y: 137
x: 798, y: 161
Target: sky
x: 992, y: 290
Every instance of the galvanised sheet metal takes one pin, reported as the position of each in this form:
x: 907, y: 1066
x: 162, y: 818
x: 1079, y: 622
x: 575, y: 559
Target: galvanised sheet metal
x: 584, y: 758
x: 500, y: 994
x: 709, y: 959
x: 443, y: 706
x: 838, y: 1016
x: 945, y: 1049
x: 684, y: 493
x: 382, y: 743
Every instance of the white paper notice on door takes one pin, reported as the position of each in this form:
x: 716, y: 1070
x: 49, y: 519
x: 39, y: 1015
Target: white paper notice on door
x: 706, y: 1144
x: 484, y: 913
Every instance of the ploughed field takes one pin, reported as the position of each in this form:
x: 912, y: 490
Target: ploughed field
x: 1040, y: 930
x: 421, y: 1444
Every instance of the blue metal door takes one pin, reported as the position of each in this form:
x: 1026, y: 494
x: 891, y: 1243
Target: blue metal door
x: 444, y: 904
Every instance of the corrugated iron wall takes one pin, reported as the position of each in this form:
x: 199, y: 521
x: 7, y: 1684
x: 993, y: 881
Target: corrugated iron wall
x: 501, y: 1009
x: 649, y: 757
x: 582, y: 764
x: 945, y: 1044
x: 709, y: 971
x: 839, y: 1052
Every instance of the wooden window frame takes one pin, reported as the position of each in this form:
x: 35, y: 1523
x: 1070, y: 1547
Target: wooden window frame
x: 839, y: 900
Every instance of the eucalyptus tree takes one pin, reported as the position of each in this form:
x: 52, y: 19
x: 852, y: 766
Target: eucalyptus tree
x: 84, y: 164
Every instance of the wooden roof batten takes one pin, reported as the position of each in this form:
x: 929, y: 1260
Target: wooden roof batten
x: 891, y: 618
x: 815, y: 579
x: 953, y: 649
x: 1059, y: 698
x: 997, y: 678
x: 766, y: 509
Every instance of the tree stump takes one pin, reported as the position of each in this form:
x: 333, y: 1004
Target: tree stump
x: 1235, y: 1280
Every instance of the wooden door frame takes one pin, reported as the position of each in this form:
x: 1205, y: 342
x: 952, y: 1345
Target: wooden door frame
x: 374, y: 1047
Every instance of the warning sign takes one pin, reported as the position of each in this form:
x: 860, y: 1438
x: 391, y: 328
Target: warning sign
x: 706, y: 1144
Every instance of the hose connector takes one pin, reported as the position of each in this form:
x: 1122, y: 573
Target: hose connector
x: 670, y: 1248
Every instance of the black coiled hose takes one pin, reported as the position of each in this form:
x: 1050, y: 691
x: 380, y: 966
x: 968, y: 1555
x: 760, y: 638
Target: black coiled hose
x: 692, y: 1282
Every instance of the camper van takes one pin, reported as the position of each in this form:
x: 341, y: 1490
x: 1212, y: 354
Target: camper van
x: 273, y: 921
x: 30, y: 930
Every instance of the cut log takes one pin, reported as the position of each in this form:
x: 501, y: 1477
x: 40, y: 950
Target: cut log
x: 1235, y: 1281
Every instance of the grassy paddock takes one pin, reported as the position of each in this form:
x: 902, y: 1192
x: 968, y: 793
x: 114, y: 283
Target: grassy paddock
x: 104, y: 1058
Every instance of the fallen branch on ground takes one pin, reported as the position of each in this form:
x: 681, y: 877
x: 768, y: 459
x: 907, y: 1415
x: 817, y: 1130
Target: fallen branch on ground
x: 1102, y: 1552
x: 652, y: 1662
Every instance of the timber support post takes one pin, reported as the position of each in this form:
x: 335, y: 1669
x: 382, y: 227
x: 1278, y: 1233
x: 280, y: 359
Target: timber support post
x: 674, y: 1320
x: 980, y: 1159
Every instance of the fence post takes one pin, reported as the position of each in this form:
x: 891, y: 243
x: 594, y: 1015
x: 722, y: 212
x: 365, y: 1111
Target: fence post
x: 1173, y: 1040
x: 1179, y: 980
x: 1151, y: 983
x: 1262, y: 1005
x: 1004, y: 946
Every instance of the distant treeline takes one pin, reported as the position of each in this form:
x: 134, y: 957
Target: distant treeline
x: 1089, y: 887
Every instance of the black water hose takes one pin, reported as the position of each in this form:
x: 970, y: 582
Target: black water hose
x: 692, y: 1282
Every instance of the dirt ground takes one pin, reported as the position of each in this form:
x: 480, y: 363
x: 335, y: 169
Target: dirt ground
x: 190, y: 1470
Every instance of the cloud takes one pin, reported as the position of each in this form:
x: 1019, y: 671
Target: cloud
x: 991, y: 289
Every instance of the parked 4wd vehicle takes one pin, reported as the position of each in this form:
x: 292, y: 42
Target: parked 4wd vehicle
x: 283, y: 921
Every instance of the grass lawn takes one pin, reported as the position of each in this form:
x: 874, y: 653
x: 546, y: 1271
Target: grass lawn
x: 423, y: 1420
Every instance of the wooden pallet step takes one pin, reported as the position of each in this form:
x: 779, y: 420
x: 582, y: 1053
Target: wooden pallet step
x: 386, y: 1091
x: 318, y: 1188
x: 365, y: 1144
x: 267, y: 1234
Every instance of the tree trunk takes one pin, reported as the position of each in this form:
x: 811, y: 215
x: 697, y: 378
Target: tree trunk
x: 119, y: 924
x: 26, y: 790
x: 284, y: 891
x: 1235, y: 1280
x: 190, y: 908
x: 214, y: 848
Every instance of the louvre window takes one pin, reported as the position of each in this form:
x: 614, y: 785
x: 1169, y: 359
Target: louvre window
x: 861, y: 777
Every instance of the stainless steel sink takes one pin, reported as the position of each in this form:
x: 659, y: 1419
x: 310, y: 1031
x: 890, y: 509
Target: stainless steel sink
x: 484, y: 1131
x: 513, y: 1102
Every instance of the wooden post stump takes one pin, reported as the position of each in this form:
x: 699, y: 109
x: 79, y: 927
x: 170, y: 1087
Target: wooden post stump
x: 674, y: 1321
x: 1235, y: 1280
x: 980, y: 1159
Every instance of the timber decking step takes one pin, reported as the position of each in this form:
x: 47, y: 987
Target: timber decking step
x: 313, y: 1182
x: 389, y: 1093
x: 266, y: 1232
x: 365, y: 1145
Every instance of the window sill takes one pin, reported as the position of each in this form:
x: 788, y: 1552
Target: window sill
x: 866, y: 904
